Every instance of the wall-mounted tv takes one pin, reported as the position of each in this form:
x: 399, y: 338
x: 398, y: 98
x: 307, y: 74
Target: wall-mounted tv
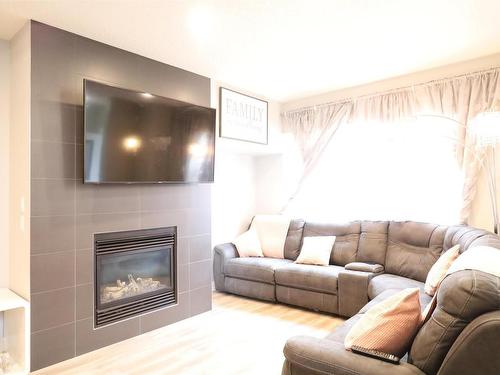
x: 137, y: 137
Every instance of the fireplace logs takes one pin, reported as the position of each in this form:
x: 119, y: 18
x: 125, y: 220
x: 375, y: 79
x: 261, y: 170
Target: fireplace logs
x: 134, y: 286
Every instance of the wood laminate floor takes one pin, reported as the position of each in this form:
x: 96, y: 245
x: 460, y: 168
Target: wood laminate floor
x: 239, y: 336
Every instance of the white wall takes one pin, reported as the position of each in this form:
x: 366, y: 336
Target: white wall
x: 19, y: 173
x: 396, y: 82
x: 246, y: 175
x: 233, y: 196
x: 481, y: 211
x: 4, y: 161
x: 277, y: 177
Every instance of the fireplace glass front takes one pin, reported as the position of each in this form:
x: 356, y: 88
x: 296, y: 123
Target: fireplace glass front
x: 134, y: 273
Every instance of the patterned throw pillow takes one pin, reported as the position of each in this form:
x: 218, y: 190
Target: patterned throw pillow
x: 389, y: 326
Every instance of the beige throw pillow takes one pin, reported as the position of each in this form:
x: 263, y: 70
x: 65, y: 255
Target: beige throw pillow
x: 316, y: 250
x: 272, y: 231
x: 439, y: 269
x: 389, y: 326
x: 248, y: 244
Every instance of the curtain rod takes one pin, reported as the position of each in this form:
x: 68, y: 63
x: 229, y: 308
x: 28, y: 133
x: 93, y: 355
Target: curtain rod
x: 394, y: 90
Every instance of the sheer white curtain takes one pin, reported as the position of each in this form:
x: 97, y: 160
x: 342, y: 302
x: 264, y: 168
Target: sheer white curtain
x: 369, y: 122
x: 313, y: 130
x: 404, y: 170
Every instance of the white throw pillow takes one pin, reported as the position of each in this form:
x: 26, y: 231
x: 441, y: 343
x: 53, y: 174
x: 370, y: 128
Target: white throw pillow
x: 438, y: 271
x: 316, y: 250
x: 248, y: 244
x: 272, y: 231
x: 480, y: 258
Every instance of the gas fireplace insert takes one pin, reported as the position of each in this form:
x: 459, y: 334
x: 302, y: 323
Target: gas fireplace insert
x: 134, y: 273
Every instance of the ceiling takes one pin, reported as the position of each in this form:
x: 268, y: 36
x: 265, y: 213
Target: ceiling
x: 279, y: 49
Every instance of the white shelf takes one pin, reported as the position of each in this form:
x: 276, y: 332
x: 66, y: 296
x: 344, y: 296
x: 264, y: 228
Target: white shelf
x: 10, y: 300
x: 16, y: 316
x: 16, y: 370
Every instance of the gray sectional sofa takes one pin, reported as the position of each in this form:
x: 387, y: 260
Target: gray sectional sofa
x: 371, y: 261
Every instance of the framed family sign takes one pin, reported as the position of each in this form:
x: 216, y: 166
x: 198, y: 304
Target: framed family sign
x: 242, y: 117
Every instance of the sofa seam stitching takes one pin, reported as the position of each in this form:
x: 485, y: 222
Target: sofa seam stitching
x: 445, y: 361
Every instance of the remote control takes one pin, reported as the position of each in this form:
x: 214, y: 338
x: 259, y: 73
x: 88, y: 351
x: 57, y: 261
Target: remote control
x: 376, y: 354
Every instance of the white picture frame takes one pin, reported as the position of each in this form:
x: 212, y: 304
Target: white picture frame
x: 242, y: 117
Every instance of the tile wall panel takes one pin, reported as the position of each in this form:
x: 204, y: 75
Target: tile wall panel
x: 66, y: 213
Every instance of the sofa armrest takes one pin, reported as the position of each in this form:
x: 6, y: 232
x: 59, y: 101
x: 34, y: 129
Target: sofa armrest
x: 365, y: 267
x: 311, y: 355
x: 222, y: 253
x: 478, y: 340
x: 352, y: 291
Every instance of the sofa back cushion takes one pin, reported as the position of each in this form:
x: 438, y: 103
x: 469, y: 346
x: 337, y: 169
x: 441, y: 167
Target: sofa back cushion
x: 373, y: 242
x: 346, y: 243
x: 461, y: 297
x: 293, y: 240
x: 489, y: 239
x: 413, y: 248
x: 464, y: 236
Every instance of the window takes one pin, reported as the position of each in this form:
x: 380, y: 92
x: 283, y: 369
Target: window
x: 385, y: 171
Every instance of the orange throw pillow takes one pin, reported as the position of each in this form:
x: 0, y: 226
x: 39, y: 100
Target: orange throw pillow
x: 439, y: 269
x: 389, y: 326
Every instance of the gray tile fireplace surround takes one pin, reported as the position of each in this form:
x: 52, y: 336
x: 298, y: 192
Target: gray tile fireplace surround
x: 65, y: 213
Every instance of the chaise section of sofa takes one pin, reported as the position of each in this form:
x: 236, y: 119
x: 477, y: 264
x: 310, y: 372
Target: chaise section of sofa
x: 461, y: 336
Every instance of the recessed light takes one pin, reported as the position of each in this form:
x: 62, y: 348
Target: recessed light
x: 147, y: 94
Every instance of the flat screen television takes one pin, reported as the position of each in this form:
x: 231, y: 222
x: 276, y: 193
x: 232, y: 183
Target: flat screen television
x: 136, y: 137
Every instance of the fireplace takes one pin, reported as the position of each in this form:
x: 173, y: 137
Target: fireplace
x: 134, y: 273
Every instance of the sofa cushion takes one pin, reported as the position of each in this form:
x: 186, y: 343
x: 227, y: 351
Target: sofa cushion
x: 373, y: 242
x: 307, y: 298
x: 304, y: 276
x: 464, y: 236
x: 293, y: 240
x: 341, y: 331
x: 413, y: 248
x: 491, y: 240
x: 249, y: 288
x: 461, y: 297
x: 256, y: 269
x: 311, y: 355
x: 346, y: 243
x: 388, y: 281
